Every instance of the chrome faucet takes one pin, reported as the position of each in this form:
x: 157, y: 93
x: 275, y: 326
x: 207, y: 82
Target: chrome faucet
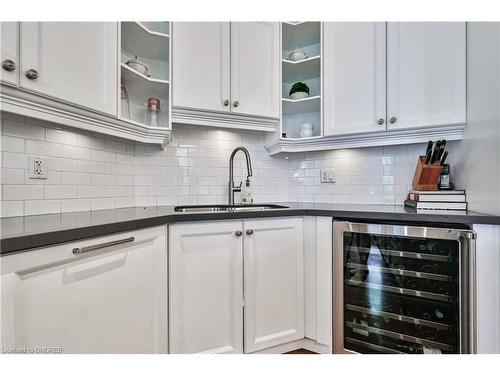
x: 232, y: 188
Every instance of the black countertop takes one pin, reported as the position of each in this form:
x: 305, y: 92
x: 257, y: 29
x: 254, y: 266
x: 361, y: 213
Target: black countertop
x: 26, y: 232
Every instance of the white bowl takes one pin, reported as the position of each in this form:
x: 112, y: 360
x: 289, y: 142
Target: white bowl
x: 299, y: 95
x: 297, y: 55
x: 138, y: 66
x: 305, y: 133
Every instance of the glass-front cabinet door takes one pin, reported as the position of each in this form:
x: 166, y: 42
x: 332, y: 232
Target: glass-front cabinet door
x: 402, y: 289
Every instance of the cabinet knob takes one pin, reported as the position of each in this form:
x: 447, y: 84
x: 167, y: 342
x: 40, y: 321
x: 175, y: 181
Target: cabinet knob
x: 32, y: 74
x: 249, y: 231
x: 9, y: 65
x: 393, y: 120
x: 236, y: 103
x: 238, y: 233
x: 380, y: 121
x: 226, y: 103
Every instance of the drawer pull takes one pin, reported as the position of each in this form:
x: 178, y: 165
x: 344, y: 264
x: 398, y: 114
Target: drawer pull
x: 86, y: 249
x: 83, y: 252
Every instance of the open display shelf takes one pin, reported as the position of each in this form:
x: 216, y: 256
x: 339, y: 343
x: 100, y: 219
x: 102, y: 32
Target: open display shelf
x: 306, y: 37
x: 150, y: 42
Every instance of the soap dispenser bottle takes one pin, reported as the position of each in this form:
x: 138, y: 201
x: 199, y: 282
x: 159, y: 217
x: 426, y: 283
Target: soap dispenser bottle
x: 246, y: 193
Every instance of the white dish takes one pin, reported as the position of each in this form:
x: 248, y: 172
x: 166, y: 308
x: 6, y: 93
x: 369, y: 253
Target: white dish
x: 306, y: 130
x: 138, y: 66
x: 297, y: 55
x: 299, y: 95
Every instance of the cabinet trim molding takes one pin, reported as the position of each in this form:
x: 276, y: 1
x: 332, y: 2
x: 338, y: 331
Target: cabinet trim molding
x: 227, y: 120
x: 33, y: 105
x: 450, y: 132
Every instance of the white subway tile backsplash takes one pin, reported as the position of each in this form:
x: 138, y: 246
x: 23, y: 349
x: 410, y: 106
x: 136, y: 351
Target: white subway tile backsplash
x: 91, y: 191
x: 13, y: 144
x: 91, y: 171
x: 38, y: 207
x: 22, y: 130
x: 99, y: 155
x: 60, y: 136
x: 12, y: 160
x: 76, y: 178
x: 60, y: 191
x: 22, y: 192
x: 43, y: 148
x: 12, y: 176
x: 76, y: 152
x: 75, y: 205
x: 11, y: 208
x: 103, y: 203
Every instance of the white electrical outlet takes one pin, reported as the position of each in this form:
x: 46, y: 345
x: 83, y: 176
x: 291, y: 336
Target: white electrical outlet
x: 326, y: 176
x: 37, y: 168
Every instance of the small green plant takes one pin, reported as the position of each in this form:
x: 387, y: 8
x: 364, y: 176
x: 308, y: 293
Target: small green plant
x: 299, y: 87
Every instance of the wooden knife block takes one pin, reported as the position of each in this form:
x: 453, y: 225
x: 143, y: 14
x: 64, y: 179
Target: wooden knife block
x: 426, y: 176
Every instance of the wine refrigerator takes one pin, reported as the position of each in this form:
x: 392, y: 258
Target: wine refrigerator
x: 403, y: 289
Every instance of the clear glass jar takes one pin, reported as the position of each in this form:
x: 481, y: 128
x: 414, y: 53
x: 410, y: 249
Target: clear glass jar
x: 125, y: 103
x: 152, y: 115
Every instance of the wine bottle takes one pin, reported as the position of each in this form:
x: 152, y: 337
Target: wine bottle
x: 430, y: 268
x: 414, y: 283
x: 440, y: 247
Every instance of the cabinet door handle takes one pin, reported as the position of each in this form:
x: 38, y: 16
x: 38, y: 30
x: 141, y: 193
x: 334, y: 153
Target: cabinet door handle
x: 238, y: 233
x: 380, y: 121
x: 9, y: 65
x: 393, y: 120
x: 249, y: 231
x: 31, y: 74
x: 236, y: 103
x: 76, y: 251
x: 225, y: 102
x: 86, y: 249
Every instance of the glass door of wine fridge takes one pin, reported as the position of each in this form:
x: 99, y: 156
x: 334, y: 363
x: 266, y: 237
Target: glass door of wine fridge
x: 403, y: 289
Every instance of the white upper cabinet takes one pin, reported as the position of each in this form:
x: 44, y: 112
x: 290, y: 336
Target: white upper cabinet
x: 201, y: 65
x: 206, y: 287
x: 226, y: 74
x: 110, y: 299
x: 274, y: 282
x: 354, y: 77
x: 426, y: 74
x: 76, y: 62
x: 9, y: 56
x: 255, y: 74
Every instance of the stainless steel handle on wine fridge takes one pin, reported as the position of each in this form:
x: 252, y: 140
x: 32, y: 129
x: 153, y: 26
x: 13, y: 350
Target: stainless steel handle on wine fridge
x: 9, y: 65
x: 468, y: 302
x: 82, y: 252
x: 31, y: 74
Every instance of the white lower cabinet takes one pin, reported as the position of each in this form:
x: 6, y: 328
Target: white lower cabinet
x: 217, y: 298
x: 206, y: 286
x: 274, y: 282
x: 110, y: 299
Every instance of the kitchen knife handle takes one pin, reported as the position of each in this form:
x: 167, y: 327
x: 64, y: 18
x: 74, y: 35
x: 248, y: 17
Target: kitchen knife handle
x: 443, y: 159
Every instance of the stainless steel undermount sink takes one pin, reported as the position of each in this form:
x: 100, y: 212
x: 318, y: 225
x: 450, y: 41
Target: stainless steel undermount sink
x: 228, y: 208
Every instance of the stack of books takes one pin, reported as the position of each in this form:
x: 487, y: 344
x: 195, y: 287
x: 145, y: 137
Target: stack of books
x: 451, y: 201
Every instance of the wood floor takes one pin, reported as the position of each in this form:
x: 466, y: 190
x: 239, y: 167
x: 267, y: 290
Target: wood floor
x: 300, y: 351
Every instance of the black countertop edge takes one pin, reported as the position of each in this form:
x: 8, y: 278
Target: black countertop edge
x: 28, y: 241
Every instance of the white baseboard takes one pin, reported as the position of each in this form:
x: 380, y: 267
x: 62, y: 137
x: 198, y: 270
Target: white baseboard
x: 304, y: 343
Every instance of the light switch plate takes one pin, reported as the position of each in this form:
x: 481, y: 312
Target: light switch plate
x: 37, y: 168
x: 326, y: 176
